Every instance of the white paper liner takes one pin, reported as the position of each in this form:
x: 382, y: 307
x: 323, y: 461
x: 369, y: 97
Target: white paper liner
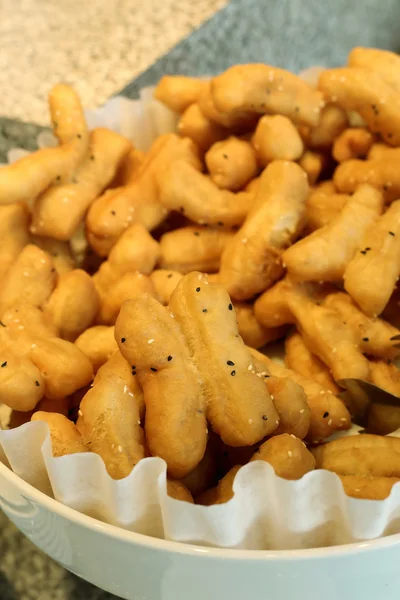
x: 266, y: 512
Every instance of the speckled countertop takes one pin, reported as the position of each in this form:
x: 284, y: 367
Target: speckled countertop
x: 99, y: 47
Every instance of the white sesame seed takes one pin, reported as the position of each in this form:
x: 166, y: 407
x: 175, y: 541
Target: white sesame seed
x: 330, y: 422
x: 277, y: 422
x: 206, y: 430
x: 258, y: 375
x: 303, y: 410
x: 250, y: 421
x: 329, y: 391
x: 150, y: 341
x: 272, y: 397
x: 200, y: 277
x: 43, y: 261
x: 112, y: 446
x: 120, y: 449
x: 130, y: 394
x: 283, y: 265
x: 245, y: 240
x: 357, y: 490
x: 343, y: 419
x: 26, y: 273
x: 80, y: 413
x: 139, y: 422
x: 125, y: 389
x: 293, y: 436
x: 290, y: 453
x: 205, y: 282
x: 322, y: 392
x: 173, y: 316
x: 250, y: 368
x: 21, y: 327
x: 33, y: 346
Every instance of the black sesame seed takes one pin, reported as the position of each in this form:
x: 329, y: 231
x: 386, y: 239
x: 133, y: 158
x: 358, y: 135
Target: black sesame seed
x: 92, y: 157
x: 37, y: 384
x: 53, y: 270
x: 198, y: 289
x: 79, y: 136
x: 169, y: 275
x: 385, y: 187
x: 153, y: 369
x: 169, y: 358
x: 392, y: 233
x: 113, y: 212
x: 220, y: 223
x: 55, y: 124
x: 266, y: 376
x: 363, y: 252
x: 325, y: 415
x: 182, y: 210
x: 204, y: 310
x: 196, y: 233
x: 133, y: 367
x: 367, y: 249
x: 265, y: 418
x: 123, y: 340
x: 230, y: 306
x: 230, y: 363
x: 2, y: 324
x: 233, y: 373
x: 58, y: 178
x: 365, y: 339
x: 297, y: 109
x: 4, y: 364
x: 225, y: 155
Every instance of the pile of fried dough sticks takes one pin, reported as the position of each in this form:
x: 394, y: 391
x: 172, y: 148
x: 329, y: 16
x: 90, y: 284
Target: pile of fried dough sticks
x: 137, y: 288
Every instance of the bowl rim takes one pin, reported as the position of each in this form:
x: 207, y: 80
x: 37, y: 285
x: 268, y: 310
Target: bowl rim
x: 156, y: 544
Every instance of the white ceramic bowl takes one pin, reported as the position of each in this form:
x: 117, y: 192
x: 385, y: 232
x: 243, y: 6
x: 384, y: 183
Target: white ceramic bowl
x: 138, y: 567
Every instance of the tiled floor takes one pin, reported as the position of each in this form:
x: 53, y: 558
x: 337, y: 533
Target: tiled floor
x: 96, y: 46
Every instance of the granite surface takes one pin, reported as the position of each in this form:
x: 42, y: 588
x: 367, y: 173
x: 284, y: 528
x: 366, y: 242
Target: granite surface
x: 291, y: 33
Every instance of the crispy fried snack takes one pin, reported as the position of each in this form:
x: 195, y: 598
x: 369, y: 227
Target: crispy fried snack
x: 271, y: 308
x: 18, y: 418
x: 367, y: 93
x: 333, y: 121
x: 127, y: 287
x: 178, y: 490
x: 252, y: 332
x: 328, y: 412
x: 21, y: 384
x: 325, y: 254
x: 179, y: 92
x: 354, y: 142
x: 60, y: 252
x: 251, y: 261
x: 193, y: 249
x: 98, y: 344
x: 375, y: 335
x: 110, y: 426
x: 313, y: 163
x: 232, y: 163
x: 63, y: 366
x: 177, y: 354
x: 238, y: 123
x: 138, y: 201
x: 382, y: 174
x: 290, y: 401
x: 299, y: 358
x: 58, y: 212
x: 14, y: 234
x: 30, y: 176
x: 65, y: 438
x: 32, y: 277
x: 165, y: 282
x: 285, y: 453
x: 383, y: 419
x: 364, y: 455
x: 326, y: 336
x: 368, y: 488
x: 385, y: 375
x: 324, y: 204
x: 205, y: 475
x: 276, y: 138
x: 259, y: 88
x: 371, y: 275
x: 183, y: 188
x: 203, y: 131
x: 380, y: 151
x: 117, y: 365
x: 386, y: 63
x: 74, y: 304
